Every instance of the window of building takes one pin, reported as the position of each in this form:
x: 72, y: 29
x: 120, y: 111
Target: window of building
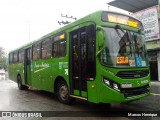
x: 59, y: 46
x: 47, y: 48
x: 36, y: 51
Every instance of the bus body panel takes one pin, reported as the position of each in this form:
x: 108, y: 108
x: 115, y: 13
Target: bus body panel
x: 43, y: 73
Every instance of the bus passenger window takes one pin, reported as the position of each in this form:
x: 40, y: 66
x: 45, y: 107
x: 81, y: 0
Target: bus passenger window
x: 46, y: 48
x: 15, y: 57
x: 36, y: 51
x: 59, y: 49
x: 10, y: 58
x: 59, y: 46
x: 20, y: 56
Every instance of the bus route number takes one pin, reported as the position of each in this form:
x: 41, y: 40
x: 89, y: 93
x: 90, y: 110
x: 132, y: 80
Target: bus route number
x: 122, y: 60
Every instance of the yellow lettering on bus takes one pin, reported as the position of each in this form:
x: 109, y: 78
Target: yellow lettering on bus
x: 112, y: 18
x: 132, y: 23
x: 122, y: 60
x: 121, y: 20
x: 61, y: 36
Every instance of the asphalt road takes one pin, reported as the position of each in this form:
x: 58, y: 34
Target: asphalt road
x: 13, y: 99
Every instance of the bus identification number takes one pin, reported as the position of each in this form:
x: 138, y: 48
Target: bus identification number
x: 122, y: 60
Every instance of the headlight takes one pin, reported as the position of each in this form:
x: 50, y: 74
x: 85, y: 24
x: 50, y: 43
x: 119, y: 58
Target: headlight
x: 115, y: 86
x: 107, y: 82
x: 111, y: 84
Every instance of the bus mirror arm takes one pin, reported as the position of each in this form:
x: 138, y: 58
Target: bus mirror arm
x: 100, y: 50
x: 99, y: 28
x: 139, y: 30
x: 101, y: 39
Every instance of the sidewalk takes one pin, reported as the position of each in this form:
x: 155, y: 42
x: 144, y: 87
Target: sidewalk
x: 155, y: 83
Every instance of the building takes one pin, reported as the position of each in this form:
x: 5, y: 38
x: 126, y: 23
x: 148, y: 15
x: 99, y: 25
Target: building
x: 147, y: 8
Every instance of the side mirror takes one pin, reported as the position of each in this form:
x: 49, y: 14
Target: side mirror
x: 100, y: 36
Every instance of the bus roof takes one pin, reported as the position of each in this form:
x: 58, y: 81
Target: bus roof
x: 91, y: 17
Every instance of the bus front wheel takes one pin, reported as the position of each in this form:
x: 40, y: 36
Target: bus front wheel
x: 63, y: 93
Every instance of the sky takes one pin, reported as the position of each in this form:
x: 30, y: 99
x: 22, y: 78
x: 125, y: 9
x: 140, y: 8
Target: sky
x: 22, y: 21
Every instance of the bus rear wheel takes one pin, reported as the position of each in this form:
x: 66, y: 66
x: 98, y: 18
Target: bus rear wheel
x: 63, y: 93
x: 19, y: 82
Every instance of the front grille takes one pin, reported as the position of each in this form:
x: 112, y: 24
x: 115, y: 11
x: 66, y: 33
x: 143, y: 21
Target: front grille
x: 130, y: 92
x: 133, y: 74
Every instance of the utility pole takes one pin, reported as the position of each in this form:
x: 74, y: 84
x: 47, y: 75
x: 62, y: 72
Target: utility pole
x: 159, y: 9
x: 108, y: 7
x: 29, y: 30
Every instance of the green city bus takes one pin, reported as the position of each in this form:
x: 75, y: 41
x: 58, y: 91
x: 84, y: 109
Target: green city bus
x: 100, y: 58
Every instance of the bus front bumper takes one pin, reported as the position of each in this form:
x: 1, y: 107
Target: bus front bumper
x: 109, y: 95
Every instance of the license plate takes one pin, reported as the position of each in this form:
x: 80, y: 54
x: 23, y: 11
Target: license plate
x: 126, y: 85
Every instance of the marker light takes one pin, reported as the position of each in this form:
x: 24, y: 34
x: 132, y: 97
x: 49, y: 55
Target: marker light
x: 92, y: 86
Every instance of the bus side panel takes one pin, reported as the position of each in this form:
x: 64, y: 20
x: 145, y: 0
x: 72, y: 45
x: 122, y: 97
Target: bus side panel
x: 21, y: 72
x: 36, y: 76
x: 42, y: 74
x: 46, y: 74
x: 10, y: 71
x: 13, y: 72
x: 60, y: 69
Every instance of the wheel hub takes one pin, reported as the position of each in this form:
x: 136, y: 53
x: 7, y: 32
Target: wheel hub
x: 63, y: 92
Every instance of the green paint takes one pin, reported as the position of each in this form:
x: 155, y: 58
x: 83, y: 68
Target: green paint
x: 84, y: 94
x: 76, y: 92
x: 42, y: 73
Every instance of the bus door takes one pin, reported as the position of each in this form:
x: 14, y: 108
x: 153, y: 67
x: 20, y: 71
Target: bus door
x: 27, y: 66
x: 82, y: 60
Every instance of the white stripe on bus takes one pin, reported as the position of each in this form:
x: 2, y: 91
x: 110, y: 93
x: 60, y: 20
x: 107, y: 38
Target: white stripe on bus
x: 40, y: 69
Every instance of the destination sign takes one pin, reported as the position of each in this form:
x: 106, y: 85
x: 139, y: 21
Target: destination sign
x: 59, y: 37
x: 120, y: 19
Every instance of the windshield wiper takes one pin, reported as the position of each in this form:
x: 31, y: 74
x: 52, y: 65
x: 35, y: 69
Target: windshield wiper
x: 130, y: 44
x: 127, y: 36
x: 136, y: 45
x: 119, y: 27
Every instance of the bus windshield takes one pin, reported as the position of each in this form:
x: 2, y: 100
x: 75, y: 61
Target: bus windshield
x: 124, y: 49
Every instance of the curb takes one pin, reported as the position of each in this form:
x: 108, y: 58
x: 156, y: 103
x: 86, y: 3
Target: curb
x: 155, y: 83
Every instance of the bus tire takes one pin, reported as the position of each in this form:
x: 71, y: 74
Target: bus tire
x: 63, y: 93
x: 19, y: 82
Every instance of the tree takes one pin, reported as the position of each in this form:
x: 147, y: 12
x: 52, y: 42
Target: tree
x: 3, y: 59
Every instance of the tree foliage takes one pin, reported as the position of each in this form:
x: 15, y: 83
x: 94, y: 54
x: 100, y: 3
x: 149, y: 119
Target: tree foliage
x: 3, y: 59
